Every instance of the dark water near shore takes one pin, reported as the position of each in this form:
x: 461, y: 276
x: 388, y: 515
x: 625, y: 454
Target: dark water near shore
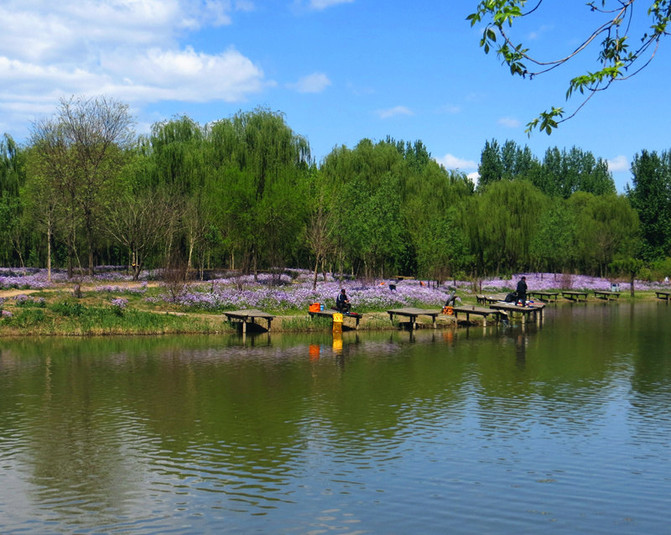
x: 561, y: 428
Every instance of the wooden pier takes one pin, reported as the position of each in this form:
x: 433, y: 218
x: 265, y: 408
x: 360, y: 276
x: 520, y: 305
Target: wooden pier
x: 248, y: 316
x: 476, y: 311
x: 487, y: 299
x: 663, y: 294
x: 412, y: 314
x: 535, y: 311
x: 328, y: 313
x: 544, y: 295
x: 574, y: 295
x: 606, y: 295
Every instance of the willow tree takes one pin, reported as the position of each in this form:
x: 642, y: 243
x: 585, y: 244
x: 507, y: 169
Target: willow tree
x: 258, y: 178
x: 12, y: 179
x: 607, y: 229
x: 177, y: 153
x: 553, y: 247
x: 367, y: 184
x: 80, y: 152
x: 501, y: 224
x: 431, y: 217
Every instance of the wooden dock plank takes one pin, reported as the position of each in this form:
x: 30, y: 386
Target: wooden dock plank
x: 525, y: 311
x: 412, y: 314
x: 574, y: 295
x: 606, y: 295
x: 248, y: 316
x: 663, y: 294
x: 486, y: 299
x: 544, y: 295
x: 476, y: 311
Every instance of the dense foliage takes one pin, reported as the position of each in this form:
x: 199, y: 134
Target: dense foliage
x: 244, y: 193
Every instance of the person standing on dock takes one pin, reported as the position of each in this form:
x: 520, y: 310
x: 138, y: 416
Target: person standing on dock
x: 522, y: 291
x: 342, y: 302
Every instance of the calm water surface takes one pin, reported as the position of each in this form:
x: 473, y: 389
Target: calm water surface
x: 564, y: 428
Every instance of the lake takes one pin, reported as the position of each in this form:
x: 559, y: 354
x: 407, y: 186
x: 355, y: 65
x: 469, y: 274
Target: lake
x: 563, y: 427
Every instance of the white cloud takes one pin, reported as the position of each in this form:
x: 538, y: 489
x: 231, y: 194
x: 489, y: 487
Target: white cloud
x: 127, y: 49
x: 192, y: 76
x: 509, y: 122
x: 450, y: 161
x: 312, y: 83
x: 619, y: 163
x: 393, y: 112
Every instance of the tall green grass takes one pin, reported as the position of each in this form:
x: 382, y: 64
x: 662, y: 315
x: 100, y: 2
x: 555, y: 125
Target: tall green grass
x: 74, y: 318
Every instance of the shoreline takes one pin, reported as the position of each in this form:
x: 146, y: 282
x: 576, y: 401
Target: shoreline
x: 99, y: 318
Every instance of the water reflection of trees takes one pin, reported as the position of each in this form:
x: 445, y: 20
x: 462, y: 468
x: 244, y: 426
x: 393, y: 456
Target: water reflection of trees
x: 98, y: 415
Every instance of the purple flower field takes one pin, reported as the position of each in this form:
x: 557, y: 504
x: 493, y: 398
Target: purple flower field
x: 299, y: 295
x: 561, y: 281
x: 292, y: 289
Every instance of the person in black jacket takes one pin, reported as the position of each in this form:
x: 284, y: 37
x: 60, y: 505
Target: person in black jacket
x: 342, y: 302
x: 522, y: 291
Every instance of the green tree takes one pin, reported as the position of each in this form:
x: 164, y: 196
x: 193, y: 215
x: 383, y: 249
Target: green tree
x: 553, y: 246
x: 617, y: 59
x: 565, y: 172
x: 431, y: 219
x: 259, y: 169
x: 607, y: 228
x: 12, y: 179
x: 650, y: 195
x: 82, y: 151
x: 42, y: 204
x: 491, y: 166
x: 369, y: 186
x: 320, y: 229
x: 179, y: 172
x: 501, y: 224
x: 139, y: 219
x: 630, y: 267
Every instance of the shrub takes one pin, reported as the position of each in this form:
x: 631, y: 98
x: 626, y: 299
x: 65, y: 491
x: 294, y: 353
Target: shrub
x: 24, y: 319
x: 68, y: 309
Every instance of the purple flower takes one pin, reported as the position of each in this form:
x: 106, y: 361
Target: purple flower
x: 119, y: 303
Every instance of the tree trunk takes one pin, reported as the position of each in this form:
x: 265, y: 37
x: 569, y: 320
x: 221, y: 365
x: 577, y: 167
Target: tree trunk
x: 189, y: 260
x: 49, y: 251
x: 314, y: 278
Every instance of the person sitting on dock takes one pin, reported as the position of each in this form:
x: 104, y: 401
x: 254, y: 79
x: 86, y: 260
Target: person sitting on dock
x: 452, y: 298
x: 522, y: 291
x: 342, y: 302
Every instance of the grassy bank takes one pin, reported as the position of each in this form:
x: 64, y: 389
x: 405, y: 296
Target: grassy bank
x: 62, y: 315
x: 142, y: 308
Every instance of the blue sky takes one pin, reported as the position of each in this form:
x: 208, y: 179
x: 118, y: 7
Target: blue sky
x: 340, y: 70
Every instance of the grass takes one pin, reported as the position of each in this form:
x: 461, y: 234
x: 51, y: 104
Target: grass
x: 109, y: 310
x: 304, y: 323
x: 74, y: 318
